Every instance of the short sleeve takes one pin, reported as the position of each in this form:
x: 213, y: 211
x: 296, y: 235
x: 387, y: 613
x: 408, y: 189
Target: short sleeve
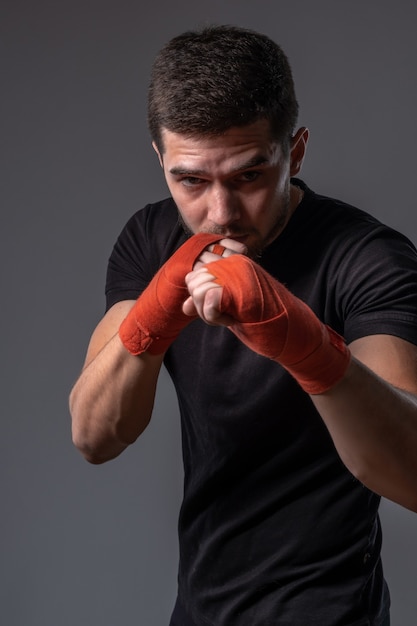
x: 377, y: 284
x: 148, y: 239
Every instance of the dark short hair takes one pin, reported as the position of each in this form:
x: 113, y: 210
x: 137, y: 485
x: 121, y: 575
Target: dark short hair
x: 206, y: 81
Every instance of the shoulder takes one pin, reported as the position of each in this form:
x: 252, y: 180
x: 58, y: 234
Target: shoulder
x: 337, y: 217
x: 146, y: 241
x: 154, y: 224
x: 153, y: 232
x: 358, y: 274
x: 331, y: 238
x: 337, y: 230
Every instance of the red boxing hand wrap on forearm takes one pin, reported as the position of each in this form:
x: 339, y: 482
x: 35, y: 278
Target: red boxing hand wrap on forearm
x: 156, y: 318
x: 275, y: 323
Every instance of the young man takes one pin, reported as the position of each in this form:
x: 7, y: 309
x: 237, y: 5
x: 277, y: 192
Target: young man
x: 288, y: 322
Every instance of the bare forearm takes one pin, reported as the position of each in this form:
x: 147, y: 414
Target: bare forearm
x: 374, y: 428
x: 111, y: 403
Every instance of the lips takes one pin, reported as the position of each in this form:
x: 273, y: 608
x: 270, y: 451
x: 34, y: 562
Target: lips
x: 237, y: 236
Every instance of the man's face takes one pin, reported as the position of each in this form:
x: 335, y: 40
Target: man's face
x: 236, y: 185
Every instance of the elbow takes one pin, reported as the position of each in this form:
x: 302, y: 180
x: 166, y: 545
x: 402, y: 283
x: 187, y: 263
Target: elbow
x: 101, y: 433
x: 88, y: 451
x: 96, y: 450
x: 89, y: 437
x: 92, y: 436
x: 411, y: 504
x: 408, y: 500
x: 397, y: 488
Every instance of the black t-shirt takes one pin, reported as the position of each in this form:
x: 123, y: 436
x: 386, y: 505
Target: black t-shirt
x: 273, y: 529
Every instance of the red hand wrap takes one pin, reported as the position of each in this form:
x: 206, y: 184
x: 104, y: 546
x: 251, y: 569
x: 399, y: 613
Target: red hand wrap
x: 275, y: 323
x: 156, y: 318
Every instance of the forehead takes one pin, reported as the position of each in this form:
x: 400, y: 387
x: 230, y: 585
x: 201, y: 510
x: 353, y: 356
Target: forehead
x: 237, y: 144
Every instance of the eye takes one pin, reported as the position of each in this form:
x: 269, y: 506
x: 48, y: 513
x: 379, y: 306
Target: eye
x: 191, y: 181
x: 249, y: 176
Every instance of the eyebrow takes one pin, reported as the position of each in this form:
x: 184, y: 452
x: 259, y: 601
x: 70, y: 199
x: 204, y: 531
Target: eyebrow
x: 255, y: 161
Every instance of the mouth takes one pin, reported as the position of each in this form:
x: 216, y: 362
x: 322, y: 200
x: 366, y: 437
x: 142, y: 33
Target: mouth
x: 228, y: 234
x: 237, y: 236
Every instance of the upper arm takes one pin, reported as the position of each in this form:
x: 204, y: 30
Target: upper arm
x: 391, y: 358
x: 107, y: 328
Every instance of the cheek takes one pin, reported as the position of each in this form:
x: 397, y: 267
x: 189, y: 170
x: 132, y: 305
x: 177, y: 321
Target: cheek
x: 271, y: 210
x: 263, y: 206
x: 191, y: 212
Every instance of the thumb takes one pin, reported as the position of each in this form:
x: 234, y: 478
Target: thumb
x: 212, y: 309
x: 188, y: 307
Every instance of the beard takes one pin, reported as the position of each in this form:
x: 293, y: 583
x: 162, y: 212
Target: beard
x: 254, y: 241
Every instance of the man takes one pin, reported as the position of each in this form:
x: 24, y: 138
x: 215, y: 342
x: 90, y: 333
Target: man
x: 288, y: 323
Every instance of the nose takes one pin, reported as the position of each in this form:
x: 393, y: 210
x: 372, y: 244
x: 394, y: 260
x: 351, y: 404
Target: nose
x: 223, y: 206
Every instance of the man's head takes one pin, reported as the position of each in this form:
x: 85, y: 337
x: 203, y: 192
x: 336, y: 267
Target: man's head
x: 206, y: 82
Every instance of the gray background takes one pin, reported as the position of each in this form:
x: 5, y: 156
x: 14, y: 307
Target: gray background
x: 91, y: 545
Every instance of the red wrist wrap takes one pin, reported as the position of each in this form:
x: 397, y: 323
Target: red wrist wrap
x: 275, y: 323
x: 156, y: 318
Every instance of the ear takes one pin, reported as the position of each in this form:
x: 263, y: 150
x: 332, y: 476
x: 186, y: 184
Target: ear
x: 298, y: 150
x: 154, y: 146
